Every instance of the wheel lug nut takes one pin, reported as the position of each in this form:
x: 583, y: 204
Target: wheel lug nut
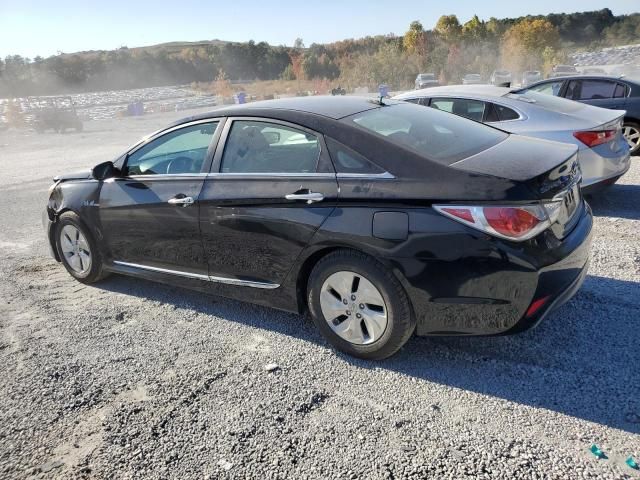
x: 358, y: 315
x: 353, y: 297
x: 349, y: 312
x: 361, y: 306
x: 345, y: 301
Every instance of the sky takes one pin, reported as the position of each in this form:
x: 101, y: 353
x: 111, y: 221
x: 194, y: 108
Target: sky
x: 45, y: 27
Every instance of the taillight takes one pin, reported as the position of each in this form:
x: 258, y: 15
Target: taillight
x: 591, y: 138
x: 516, y: 223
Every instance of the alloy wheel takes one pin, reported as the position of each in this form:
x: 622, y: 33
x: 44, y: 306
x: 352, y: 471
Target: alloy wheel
x: 75, y: 249
x: 632, y: 136
x: 353, y: 307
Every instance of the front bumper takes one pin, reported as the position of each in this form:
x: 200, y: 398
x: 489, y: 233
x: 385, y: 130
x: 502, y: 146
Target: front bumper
x: 48, y: 226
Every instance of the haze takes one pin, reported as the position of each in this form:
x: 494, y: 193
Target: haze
x: 44, y: 28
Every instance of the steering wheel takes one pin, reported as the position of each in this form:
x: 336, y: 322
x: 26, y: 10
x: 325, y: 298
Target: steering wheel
x: 180, y: 165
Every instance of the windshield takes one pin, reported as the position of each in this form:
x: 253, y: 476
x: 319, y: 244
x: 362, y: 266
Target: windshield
x: 426, y: 76
x: 546, y: 101
x: 436, y: 135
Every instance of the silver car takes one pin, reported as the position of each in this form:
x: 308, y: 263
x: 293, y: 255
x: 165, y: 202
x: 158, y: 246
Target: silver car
x: 597, y: 132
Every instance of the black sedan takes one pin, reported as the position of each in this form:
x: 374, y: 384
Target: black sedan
x: 380, y: 219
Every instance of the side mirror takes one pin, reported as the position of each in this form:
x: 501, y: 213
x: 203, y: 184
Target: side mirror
x: 104, y: 170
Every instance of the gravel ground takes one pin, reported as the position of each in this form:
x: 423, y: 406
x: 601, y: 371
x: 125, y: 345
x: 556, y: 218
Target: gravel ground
x: 129, y: 379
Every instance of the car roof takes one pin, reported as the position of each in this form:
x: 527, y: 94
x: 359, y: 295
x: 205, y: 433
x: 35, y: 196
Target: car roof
x: 583, y: 76
x: 335, y: 107
x: 458, y: 90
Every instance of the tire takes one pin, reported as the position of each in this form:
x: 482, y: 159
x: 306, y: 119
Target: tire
x: 78, y: 253
x: 632, y: 129
x: 363, y: 336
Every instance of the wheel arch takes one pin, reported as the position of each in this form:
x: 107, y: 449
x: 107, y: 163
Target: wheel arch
x: 307, y: 265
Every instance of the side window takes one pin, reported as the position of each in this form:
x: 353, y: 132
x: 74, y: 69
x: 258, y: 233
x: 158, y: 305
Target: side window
x: 549, y: 88
x: 180, y: 151
x: 492, y: 113
x: 473, y: 109
x: 597, y: 89
x: 263, y: 147
x: 413, y: 100
x: 348, y: 161
x: 444, y: 104
x: 505, y: 113
x: 620, y: 91
x: 573, y: 90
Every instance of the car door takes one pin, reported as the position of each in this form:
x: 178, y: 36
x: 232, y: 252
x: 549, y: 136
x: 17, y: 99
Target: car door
x: 603, y: 93
x: 271, y: 188
x: 149, y: 214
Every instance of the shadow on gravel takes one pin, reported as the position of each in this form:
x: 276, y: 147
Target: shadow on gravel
x: 580, y: 361
x: 621, y: 201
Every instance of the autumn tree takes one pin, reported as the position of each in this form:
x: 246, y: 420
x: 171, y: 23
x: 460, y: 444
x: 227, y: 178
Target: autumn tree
x: 415, y: 40
x: 448, y: 27
x: 524, y: 43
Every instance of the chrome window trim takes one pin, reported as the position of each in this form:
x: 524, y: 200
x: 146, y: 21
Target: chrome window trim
x: 198, y: 276
x: 365, y: 176
x: 270, y: 175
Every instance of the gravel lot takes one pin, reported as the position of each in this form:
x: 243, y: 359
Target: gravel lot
x: 129, y: 379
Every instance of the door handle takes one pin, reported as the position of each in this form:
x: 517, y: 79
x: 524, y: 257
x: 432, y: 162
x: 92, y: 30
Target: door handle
x: 184, y: 201
x: 310, y: 197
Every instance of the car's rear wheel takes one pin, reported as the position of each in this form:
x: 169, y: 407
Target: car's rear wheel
x: 77, y: 249
x: 631, y: 132
x: 359, y: 306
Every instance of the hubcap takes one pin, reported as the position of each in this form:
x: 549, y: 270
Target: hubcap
x: 75, y: 249
x: 632, y: 135
x: 353, y: 307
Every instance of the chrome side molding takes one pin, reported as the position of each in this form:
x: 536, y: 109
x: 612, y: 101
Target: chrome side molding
x: 198, y: 276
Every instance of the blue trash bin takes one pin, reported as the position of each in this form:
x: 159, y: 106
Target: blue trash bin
x: 383, y: 90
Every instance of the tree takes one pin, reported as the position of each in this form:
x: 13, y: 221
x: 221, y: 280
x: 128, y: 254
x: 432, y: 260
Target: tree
x: 415, y: 40
x: 524, y: 43
x: 474, y: 30
x: 448, y: 27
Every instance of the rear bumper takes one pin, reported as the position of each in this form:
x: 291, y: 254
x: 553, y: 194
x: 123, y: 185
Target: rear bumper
x: 488, y: 287
x: 601, y: 164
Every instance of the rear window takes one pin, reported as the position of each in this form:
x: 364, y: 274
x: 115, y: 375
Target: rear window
x: 436, y: 135
x: 547, y: 101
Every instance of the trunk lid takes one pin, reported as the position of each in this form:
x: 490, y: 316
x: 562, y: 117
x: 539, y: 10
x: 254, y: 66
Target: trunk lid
x: 550, y: 169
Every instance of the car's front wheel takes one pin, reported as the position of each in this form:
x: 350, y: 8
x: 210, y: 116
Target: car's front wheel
x: 631, y: 131
x: 77, y: 249
x: 359, y: 306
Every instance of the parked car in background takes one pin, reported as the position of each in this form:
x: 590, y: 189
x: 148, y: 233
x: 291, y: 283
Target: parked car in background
x: 593, y: 71
x: 387, y: 218
x: 562, y: 71
x: 616, y: 93
x: 54, y: 113
x: 425, y: 80
x: 531, y: 76
x: 472, y: 79
x: 501, y: 77
x: 596, y: 132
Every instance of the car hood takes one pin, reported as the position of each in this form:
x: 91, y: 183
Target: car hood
x: 80, y: 175
x: 518, y: 158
